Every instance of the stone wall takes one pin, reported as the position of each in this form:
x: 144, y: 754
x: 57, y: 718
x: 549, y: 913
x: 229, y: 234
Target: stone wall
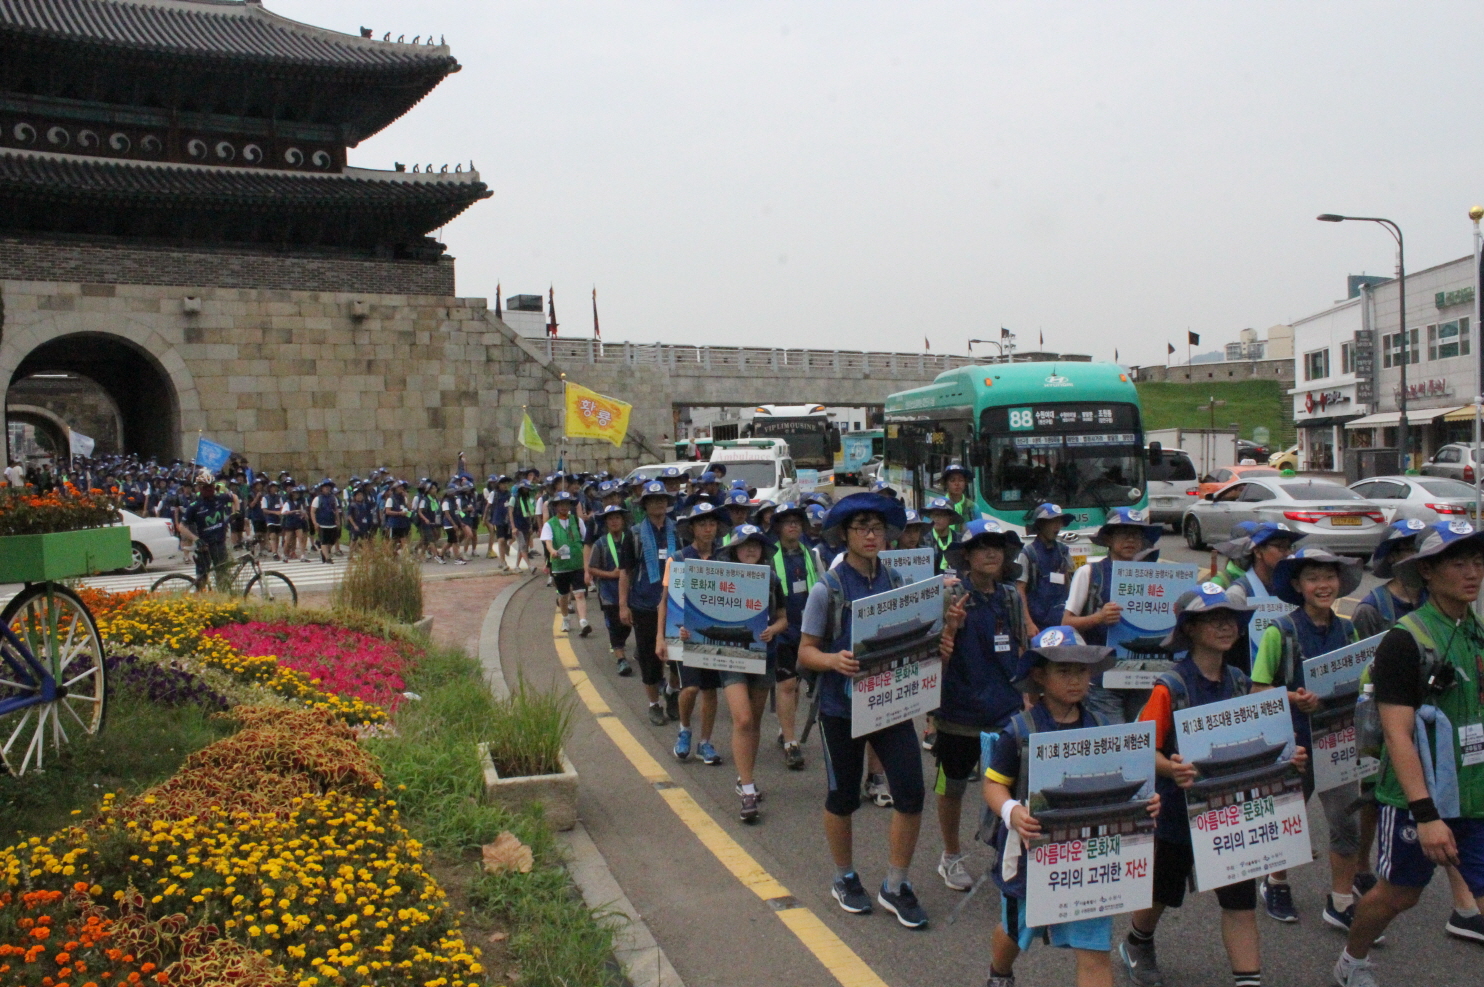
x: 79, y: 402
x: 1201, y: 372
x: 39, y: 259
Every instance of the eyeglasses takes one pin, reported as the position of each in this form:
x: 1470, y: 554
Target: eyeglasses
x: 869, y: 529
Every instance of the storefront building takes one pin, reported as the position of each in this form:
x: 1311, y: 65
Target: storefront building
x: 1333, y: 385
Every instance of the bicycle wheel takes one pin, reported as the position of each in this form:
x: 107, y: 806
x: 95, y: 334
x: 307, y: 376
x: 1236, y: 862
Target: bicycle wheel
x: 54, y: 626
x: 272, y: 586
x: 176, y: 582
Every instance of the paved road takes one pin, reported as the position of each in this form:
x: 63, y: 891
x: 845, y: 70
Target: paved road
x: 715, y: 931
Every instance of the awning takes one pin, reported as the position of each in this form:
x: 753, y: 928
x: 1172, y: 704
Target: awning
x: 1389, y: 418
x: 1329, y: 422
x: 1464, y: 414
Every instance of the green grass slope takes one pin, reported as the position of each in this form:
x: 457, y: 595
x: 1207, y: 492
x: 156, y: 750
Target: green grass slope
x: 1250, y: 403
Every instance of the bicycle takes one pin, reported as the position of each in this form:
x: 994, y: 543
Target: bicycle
x: 231, y: 577
x: 49, y: 645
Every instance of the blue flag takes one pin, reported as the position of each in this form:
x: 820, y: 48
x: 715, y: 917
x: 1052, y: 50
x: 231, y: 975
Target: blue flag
x: 211, y: 455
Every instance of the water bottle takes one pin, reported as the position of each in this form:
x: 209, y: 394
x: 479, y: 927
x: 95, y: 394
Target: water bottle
x: 1368, y: 734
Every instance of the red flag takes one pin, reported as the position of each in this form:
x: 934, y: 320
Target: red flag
x: 925, y: 344
x: 1171, y: 347
x: 551, y: 322
x: 597, y: 334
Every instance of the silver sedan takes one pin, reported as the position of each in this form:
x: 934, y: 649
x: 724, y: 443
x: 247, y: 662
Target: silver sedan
x: 1427, y: 498
x: 1328, y: 514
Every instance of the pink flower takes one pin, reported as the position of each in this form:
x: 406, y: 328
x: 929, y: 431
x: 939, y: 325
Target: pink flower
x: 344, y: 662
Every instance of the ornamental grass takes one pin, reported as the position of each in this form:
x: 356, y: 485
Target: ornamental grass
x: 381, y: 580
x: 527, y: 730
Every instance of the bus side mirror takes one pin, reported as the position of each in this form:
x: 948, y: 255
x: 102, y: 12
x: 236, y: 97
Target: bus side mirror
x: 834, y: 440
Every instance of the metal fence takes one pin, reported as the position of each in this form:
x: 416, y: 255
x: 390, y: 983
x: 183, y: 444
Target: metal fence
x: 834, y: 363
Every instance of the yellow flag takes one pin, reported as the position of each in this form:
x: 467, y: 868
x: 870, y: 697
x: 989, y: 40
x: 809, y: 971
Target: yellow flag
x: 528, y: 436
x: 595, y: 416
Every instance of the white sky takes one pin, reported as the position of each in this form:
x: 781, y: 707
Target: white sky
x: 859, y: 175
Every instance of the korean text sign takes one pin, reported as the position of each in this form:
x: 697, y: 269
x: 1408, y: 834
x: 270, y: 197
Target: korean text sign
x: 895, y: 635
x: 1246, y: 810
x: 675, y: 610
x: 915, y: 564
x: 1147, y: 592
x: 1335, y: 679
x: 726, y: 609
x: 1090, y: 789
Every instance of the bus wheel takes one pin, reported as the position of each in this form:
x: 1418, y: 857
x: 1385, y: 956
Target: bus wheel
x: 1193, y: 535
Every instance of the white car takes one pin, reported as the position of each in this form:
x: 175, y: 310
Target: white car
x: 152, y: 538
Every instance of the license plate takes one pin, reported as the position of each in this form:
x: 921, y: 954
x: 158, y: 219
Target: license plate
x: 1345, y: 520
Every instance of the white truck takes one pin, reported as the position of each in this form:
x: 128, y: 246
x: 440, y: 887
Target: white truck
x: 1209, y: 449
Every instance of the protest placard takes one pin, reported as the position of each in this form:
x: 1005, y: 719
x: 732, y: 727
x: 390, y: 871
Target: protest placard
x: 1269, y: 609
x: 1147, y: 592
x: 726, y: 609
x: 894, y: 635
x: 1090, y: 790
x: 915, y: 564
x: 808, y: 481
x: 1335, y: 679
x: 675, y: 610
x: 1246, y: 809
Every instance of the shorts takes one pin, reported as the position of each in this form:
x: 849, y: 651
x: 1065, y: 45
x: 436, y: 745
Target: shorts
x: 566, y: 582
x: 274, y: 529
x: 1173, y: 865
x: 845, y: 758
x: 356, y: 536
x: 501, y: 530
x: 452, y: 534
x: 1344, y: 825
x: 398, y: 534
x: 618, y: 631
x: 329, y: 536
x: 239, y: 524
x: 1399, y: 856
x: 692, y: 677
x: 1094, y: 934
x: 765, y: 680
x: 646, y: 632
x: 957, y: 757
x: 786, y: 660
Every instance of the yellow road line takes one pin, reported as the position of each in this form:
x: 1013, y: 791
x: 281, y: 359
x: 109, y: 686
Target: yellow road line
x: 839, y: 959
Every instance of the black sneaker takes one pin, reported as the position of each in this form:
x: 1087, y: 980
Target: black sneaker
x: 749, y: 812
x: 624, y: 668
x: 851, y: 894
x: 904, y: 906
x: 672, y: 706
x: 657, y: 714
x: 1470, y: 927
x: 793, y: 757
x: 1277, y: 901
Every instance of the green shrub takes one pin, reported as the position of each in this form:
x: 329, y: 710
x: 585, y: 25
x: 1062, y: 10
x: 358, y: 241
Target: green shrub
x: 381, y: 580
x: 526, y: 731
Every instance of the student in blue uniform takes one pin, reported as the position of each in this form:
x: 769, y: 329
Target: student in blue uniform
x: 983, y: 635
x: 327, y: 519
x: 1393, y: 599
x: 798, y: 568
x: 946, y: 523
x: 641, y: 586
x: 604, y: 564
x: 1045, y: 567
x: 702, y: 529
x: 1272, y: 542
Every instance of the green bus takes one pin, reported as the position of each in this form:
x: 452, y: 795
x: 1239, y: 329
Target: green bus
x: 1067, y: 433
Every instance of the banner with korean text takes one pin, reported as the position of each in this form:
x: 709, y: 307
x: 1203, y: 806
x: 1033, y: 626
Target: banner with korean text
x: 591, y: 415
x: 675, y: 611
x: 1090, y: 791
x: 1335, y: 679
x: 915, y: 564
x: 1246, y: 809
x: 726, y: 611
x: 1146, y: 592
x: 894, y: 635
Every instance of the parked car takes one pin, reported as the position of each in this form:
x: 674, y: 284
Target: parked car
x: 1285, y: 460
x: 1171, y: 483
x: 871, y: 471
x: 1218, y: 478
x: 769, y: 472
x: 152, y: 538
x: 690, y: 469
x: 1331, y: 516
x: 1247, y: 449
x: 1454, y: 460
x: 1426, y: 498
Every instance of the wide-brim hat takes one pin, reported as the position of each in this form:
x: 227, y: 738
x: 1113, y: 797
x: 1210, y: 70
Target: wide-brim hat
x: 1438, y: 539
x: 1060, y: 644
x: 891, y: 510
x: 790, y: 508
x: 1404, y: 531
x: 913, y: 520
x: 741, y: 535
x: 654, y: 488
x: 1205, y: 598
x: 563, y: 497
x: 1128, y: 517
x: 603, y: 512
x: 1268, y: 530
x: 1286, y: 571
x: 940, y: 505
x: 986, y: 531
x: 701, y: 511
x: 958, y: 468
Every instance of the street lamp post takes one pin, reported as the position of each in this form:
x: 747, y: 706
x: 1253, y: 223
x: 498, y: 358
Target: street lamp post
x: 1401, y: 294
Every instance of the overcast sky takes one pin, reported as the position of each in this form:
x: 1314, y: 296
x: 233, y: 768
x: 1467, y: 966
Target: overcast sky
x: 861, y: 175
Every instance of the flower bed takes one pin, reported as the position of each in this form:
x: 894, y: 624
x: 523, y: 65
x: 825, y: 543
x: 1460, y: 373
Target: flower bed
x: 25, y: 512
x: 273, y: 853
x: 340, y: 661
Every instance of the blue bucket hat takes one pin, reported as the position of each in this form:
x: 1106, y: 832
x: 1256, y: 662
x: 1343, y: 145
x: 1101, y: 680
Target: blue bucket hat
x: 940, y: 505
x: 817, y: 514
x: 1403, y: 533
x: 737, y: 498
x: 913, y: 520
x: 890, y: 509
x: 1044, y: 512
x: 883, y: 489
x: 1239, y: 545
x: 1266, y: 531
x: 604, y: 512
x: 1286, y: 571
x: 563, y: 497
x: 1441, y: 538
x: 1205, y: 598
x: 742, y: 534
x: 654, y: 488
x: 1129, y: 517
x: 759, y: 507
x: 708, y: 477
x: 739, y: 484
x: 671, y: 473
x: 958, y: 468
x: 705, y: 509
x: 1060, y: 644
x: 791, y: 508
x: 987, y: 531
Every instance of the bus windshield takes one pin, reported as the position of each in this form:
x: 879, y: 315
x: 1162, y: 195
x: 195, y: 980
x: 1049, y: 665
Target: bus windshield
x: 807, y: 438
x: 1065, y: 454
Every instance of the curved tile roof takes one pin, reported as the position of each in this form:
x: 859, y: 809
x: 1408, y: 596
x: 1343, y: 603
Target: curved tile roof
x: 219, y: 28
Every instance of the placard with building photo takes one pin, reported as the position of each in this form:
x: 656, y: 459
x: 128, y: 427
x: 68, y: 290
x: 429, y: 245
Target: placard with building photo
x: 1246, y: 809
x: 1147, y: 592
x: 1335, y: 679
x: 894, y: 635
x: 726, y: 611
x: 675, y: 611
x: 1090, y: 790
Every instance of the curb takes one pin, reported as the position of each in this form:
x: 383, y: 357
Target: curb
x: 634, y: 946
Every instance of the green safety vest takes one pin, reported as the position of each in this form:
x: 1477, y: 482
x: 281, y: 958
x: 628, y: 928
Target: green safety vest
x: 963, y: 505
x: 569, y: 536
x: 811, y: 575
x: 943, y: 547
x: 1461, y: 703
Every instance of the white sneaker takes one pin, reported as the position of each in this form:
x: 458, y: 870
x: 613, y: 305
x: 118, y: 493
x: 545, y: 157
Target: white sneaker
x: 1363, y: 974
x: 586, y: 628
x: 566, y: 625
x: 954, y: 873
